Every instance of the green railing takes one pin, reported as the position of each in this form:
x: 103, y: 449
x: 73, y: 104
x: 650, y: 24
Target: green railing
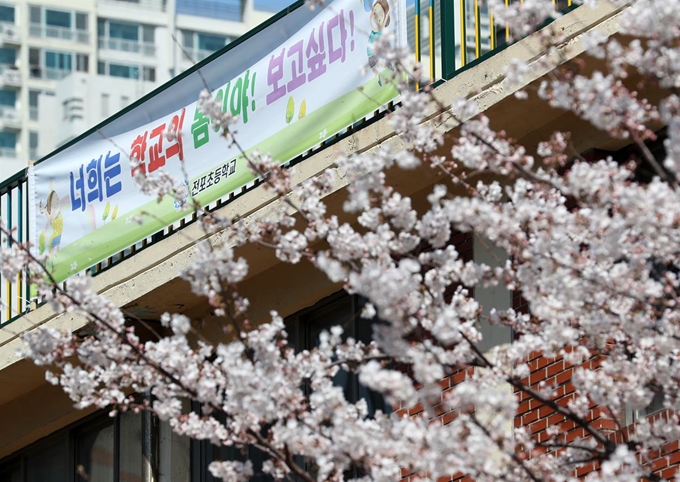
x: 445, y: 35
x: 14, y: 293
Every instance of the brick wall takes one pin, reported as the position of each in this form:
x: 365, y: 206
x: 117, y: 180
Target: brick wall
x: 544, y: 371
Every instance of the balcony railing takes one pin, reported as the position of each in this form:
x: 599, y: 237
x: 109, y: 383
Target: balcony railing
x: 33, y: 113
x: 199, y: 54
x: 8, y: 152
x: 145, y: 48
x: 158, y: 5
x: 10, y: 76
x: 9, y: 34
x: 48, y: 73
x: 9, y: 117
x: 449, y: 52
x: 62, y: 33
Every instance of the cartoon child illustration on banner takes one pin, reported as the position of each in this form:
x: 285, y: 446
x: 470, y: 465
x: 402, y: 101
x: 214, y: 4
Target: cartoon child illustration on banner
x: 380, y: 19
x: 54, y: 226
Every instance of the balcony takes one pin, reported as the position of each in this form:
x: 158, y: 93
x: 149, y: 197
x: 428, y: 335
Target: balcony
x: 9, y: 117
x: 9, y: 34
x: 133, y: 46
x: 8, y: 152
x: 199, y: 54
x: 48, y: 73
x: 62, y: 33
x: 10, y: 76
x: 157, y: 5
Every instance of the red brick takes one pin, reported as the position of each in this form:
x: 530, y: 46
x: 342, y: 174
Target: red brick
x: 538, y: 426
x: 545, y: 411
x: 530, y: 417
x: 537, y: 377
x: 555, y: 368
x: 564, y: 377
x: 524, y: 407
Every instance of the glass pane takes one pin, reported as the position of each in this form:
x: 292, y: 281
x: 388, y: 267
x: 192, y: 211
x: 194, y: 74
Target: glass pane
x: 82, y: 63
x: 33, y: 139
x: 101, y: 68
x: 35, y: 14
x: 33, y: 98
x: 148, y: 34
x: 130, y: 444
x: 101, y: 27
x: 56, y: 18
x: 8, y: 97
x: 188, y: 38
x: 50, y: 464
x: 81, y: 21
x: 7, y: 56
x: 94, y: 454
x: 6, y: 14
x: 127, y: 71
x: 126, y: 31
x: 34, y: 56
x: 9, y: 139
x: 211, y: 42
x: 11, y: 473
x: 323, y: 319
x: 150, y: 74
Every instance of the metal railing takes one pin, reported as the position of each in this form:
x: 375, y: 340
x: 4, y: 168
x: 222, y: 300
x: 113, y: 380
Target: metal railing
x: 145, y: 48
x: 9, y: 33
x: 63, y: 33
x: 14, y: 293
x: 442, y: 38
x: 158, y: 5
x: 8, y: 153
x: 49, y: 73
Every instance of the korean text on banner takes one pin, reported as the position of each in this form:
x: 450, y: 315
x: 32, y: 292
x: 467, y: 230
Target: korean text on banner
x: 324, y: 78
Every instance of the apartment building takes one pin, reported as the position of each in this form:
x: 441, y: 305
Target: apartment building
x: 117, y: 51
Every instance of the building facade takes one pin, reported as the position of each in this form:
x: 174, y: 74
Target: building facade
x: 43, y: 438
x: 120, y: 48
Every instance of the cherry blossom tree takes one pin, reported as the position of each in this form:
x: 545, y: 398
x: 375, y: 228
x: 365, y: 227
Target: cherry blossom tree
x: 592, y: 246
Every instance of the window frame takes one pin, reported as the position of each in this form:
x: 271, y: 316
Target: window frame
x: 69, y: 436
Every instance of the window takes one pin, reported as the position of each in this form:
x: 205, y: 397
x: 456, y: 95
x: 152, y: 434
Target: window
x: 56, y: 18
x: 105, y: 105
x: 127, y: 31
x: 126, y: 36
x: 106, y: 449
x: 304, y: 329
x: 62, y: 24
x: 6, y: 14
x: 33, y: 97
x: 58, y: 60
x: 8, y: 140
x: 8, y: 56
x: 8, y: 98
x: 126, y: 71
x: 199, y: 45
x: 33, y: 145
x: 51, y: 64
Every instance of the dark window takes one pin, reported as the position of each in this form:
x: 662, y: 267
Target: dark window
x: 304, y: 330
x: 102, y: 449
x: 6, y: 14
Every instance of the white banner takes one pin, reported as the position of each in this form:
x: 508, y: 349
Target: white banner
x: 323, y: 79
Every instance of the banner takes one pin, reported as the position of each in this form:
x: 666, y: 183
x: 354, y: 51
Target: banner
x: 85, y: 203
